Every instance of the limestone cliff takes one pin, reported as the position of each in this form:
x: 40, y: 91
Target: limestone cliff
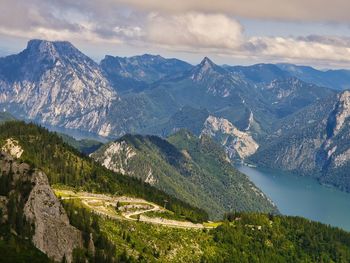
x: 238, y: 144
x: 26, y: 194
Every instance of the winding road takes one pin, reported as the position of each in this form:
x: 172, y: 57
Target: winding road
x: 105, y: 205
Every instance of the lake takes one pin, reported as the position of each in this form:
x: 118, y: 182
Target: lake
x: 302, y: 196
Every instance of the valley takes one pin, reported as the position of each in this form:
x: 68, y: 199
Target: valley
x: 137, y: 159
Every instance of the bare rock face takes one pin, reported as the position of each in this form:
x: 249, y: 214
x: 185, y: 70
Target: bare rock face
x: 343, y: 111
x: 51, y: 231
x: 53, y: 234
x: 238, y: 144
x: 115, y: 156
x: 56, y: 84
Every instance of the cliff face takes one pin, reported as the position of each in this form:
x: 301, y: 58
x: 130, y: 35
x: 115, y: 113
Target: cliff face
x: 238, y: 144
x: 55, y: 84
x: 33, y: 211
x: 314, y: 142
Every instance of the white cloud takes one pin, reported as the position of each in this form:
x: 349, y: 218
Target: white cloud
x: 197, y: 26
x: 194, y: 30
x: 295, y: 10
x: 298, y: 50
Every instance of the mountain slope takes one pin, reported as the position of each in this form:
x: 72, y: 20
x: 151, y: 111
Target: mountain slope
x: 260, y: 73
x: 314, y: 142
x: 65, y: 165
x: 133, y: 74
x: 334, y: 79
x: 230, y: 94
x: 194, y: 170
x: 55, y: 84
x: 25, y: 195
x: 5, y: 116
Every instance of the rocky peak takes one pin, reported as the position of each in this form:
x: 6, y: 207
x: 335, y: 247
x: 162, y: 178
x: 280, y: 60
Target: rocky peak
x: 55, y: 84
x: 205, y: 68
x: 50, y: 230
x: 52, y: 48
x: 207, y: 62
x: 115, y: 156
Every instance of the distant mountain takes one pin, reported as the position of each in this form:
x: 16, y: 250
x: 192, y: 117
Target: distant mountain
x: 37, y: 226
x: 289, y: 95
x: 85, y: 146
x: 55, y: 84
x: 260, y: 73
x: 133, y: 74
x: 5, y: 116
x: 313, y: 142
x: 238, y: 144
x: 334, y: 79
x: 234, y: 96
x: 194, y: 170
x: 187, y: 117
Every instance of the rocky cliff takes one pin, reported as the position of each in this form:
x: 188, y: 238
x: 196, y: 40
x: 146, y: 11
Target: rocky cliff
x: 55, y: 84
x: 32, y: 210
x: 238, y: 144
x: 314, y: 142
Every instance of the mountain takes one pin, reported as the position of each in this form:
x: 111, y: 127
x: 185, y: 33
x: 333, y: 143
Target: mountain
x: 186, y: 117
x: 65, y: 165
x: 288, y: 95
x: 260, y: 73
x: 232, y: 96
x: 25, y: 193
x: 57, y: 206
x: 5, y: 116
x: 238, y: 144
x: 313, y: 142
x: 194, y: 170
x: 85, y: 146
x: 133, y: 74
x: 55, y: 84
x: 334, y: 79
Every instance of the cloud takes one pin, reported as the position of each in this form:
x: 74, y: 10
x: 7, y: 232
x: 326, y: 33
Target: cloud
x: 197, y: 26
x: 194, y: 30
x: 295, y: 10
x: 319, y: 49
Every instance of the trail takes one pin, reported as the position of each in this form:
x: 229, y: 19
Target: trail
x: 106, y: 206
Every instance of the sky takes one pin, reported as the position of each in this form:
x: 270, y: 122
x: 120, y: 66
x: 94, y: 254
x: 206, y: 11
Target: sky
x: 308, y: 32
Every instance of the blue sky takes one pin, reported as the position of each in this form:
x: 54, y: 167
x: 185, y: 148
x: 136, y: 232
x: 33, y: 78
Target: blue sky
x: 313, y: 32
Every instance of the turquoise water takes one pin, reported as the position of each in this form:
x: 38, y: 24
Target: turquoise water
x: 302, y: 196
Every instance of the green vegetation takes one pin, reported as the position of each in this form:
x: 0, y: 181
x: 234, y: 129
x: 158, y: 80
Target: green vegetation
x: 264, y: 238
x: 16, y: 250
x: 165, y: 215
x: 242, y: 237
x: 136, y: 241
x: 5, y: 116
x: 65, y: 165
x: 194, y: 170
x: 85, y: 146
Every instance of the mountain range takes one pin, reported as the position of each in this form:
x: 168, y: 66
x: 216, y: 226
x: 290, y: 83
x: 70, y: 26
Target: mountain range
x: 175, y: 132
x: 313, y: 142
x: 195, y: 170
x: 54, y: 84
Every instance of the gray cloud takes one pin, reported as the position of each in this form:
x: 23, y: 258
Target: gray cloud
x: 297, y: 10
x: 196, y: 26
